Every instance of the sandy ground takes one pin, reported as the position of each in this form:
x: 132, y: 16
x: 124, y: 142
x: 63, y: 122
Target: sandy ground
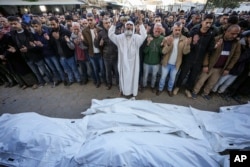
x: 69, y: 102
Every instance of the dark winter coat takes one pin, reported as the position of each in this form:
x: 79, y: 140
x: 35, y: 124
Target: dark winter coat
x: 62, y: 33
x: 204, y: 46
x: 34, y: 53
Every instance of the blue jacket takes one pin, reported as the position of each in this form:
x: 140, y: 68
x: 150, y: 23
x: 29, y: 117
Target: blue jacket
x: 48, y: 50
x: 62, y: 32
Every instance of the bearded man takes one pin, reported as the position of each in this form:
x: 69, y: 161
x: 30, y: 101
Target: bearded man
x: 128, y: 44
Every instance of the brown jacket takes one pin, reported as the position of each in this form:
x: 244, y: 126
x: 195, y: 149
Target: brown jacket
x: 88, y: 40
x: 211, y: 60
x: 182, y: 50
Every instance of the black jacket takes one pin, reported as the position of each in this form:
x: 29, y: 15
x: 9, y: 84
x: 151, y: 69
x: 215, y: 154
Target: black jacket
x: 241, y: 63
x: 15, y: 62
x: 34, y: 53
x: 204, y: 46
x: 109, y: 49
x: 62, y: 33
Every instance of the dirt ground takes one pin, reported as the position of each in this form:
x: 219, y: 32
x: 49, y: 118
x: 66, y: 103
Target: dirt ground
x: 69, y: 102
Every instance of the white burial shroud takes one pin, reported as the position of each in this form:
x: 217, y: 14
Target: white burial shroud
x: 122, y: 132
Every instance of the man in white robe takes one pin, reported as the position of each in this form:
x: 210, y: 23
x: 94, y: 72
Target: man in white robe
x: 128, y: 44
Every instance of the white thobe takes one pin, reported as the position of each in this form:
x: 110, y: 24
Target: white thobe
x: 128, y: 59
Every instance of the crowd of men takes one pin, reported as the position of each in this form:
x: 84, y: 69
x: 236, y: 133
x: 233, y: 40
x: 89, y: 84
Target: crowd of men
x: 201, y: 53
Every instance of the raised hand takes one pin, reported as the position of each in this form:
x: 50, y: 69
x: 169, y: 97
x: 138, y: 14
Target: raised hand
x: 38, y: 43
x: 66, y: 38
x: 81, y: 37
x: 55, y: 35
x: 169, y: 40
x: 195, y: 39
x: 218, y: 43
x: 149, y: 39
x: 101, y: 42
x: 205, y: 69
x: 188, y: 41
x: 32, y: 44
x: 116, y: 18
x: 140, y: 17
x: 23, y: 49
x: 2, y: 57
x: 46, y: 36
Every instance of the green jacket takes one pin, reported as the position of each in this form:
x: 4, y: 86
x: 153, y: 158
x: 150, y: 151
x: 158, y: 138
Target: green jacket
x: 152, y: 53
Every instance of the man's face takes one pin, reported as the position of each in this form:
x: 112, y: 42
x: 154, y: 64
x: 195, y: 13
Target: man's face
x: 54, y: 25
x: 206, y: 24
x: 142, y: 16
x: 231, y: 34
x: 157, y: 20
x: 151, y: 17
x: 224, y: 19
x: 129, y: 26
x: 170, y: 19
x: 183, y: 22
x: 157, y: 31
x: 76, y: 30
x: 15, y: 25
x: 181, y: 13
x: 106, y: 24
x: 84, y: 23
x: 177, y: 31
x: 69, y: 22
x: 196, y: 19
x: 62, y: 18
x: 43, y: 19
x: 91, y: 21
x: 4, y: 22
x: 94, y: 11
x: 36, y: 27
x: 128, y: 29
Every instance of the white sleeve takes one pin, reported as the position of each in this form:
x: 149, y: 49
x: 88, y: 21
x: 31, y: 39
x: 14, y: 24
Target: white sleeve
x: 112, y: 35
x: 143, y: 34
